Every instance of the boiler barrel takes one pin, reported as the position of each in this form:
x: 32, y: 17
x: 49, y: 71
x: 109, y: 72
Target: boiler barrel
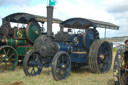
x: 63, y: 47
x: 15, y: 43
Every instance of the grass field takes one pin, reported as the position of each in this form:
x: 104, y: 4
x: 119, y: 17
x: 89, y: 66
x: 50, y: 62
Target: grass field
x: 82, y: 76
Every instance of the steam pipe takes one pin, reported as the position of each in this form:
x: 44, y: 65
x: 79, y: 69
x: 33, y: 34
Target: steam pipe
x: 49, y: 20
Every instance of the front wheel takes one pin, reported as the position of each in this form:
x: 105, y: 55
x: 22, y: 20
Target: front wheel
x: 61, y: 65
x: 32, y: 63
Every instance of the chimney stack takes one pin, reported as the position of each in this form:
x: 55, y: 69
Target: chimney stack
x: 49, y: 20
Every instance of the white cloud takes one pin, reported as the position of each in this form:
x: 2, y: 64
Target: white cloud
x: 37, y: 10
x: 85, y: 10
x: 119, y: 11
x: 14, y: 2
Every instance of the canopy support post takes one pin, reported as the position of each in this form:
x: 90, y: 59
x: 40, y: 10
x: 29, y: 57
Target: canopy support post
x: 105, y: 33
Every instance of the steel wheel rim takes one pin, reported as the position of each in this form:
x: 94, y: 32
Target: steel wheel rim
x: 105, y: 62
x: 34, y: 64
x: 8, y: 58
x: 63, y: 60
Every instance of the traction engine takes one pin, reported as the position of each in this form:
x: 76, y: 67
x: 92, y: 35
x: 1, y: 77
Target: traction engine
x: 66, y: 50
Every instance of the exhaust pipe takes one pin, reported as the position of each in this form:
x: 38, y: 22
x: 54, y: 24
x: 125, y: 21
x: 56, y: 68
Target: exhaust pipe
x: 49, y: 20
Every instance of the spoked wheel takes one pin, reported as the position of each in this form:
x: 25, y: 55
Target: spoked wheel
x: 100, y: 56
x: 120, y: 71
x: 61, y: 65
x: 8, y: 58
x: 32, y: 63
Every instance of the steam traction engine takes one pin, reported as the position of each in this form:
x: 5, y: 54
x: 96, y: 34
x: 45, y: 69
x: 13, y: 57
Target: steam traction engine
x: 70, y: 49
x: 17, y: 35
x: 120, y: 70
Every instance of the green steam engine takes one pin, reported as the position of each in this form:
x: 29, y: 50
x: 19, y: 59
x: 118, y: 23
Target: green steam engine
x: 17, y: 35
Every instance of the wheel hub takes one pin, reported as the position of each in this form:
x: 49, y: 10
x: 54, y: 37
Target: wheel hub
x: 5, y: 59
x: 63, y: 66
x: 32, y: 63
x: 102, y: 56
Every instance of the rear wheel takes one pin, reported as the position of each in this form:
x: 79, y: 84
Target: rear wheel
x: 8, y: 58
x: 32, y: 63
x: 100, y: 56
x: 61, y: 65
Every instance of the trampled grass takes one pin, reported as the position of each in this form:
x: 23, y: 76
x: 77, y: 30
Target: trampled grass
x: 82, y: 76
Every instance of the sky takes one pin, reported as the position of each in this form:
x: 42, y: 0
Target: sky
x: 114, y: 11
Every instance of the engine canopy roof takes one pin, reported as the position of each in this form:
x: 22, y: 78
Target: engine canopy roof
x: 83, y: 23
x: 25, y: 17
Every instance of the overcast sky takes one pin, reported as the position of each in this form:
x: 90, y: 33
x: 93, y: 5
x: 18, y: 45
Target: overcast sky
x: 114, y: 11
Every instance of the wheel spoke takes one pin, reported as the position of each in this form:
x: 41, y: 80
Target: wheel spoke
x: 8, y: 51
x: 59, y: 73
x: 64, y: 71
x: 65, y: 58
x: 5, y: 52
x: 104, y: 62
x: 37, y: 67
x: 123, y: 76
x: 59, y: 65
x: 67, y: 69
x: 11, y: 55
x: 33, y: 70
x: 107, y: 53
x: 123, y: 67
x: 62, y: 59
x: 10, y: 62
x: 67, y: 64
x: 12, y: 59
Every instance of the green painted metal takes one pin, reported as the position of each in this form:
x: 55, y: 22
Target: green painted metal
x: 21, y: 50
x: 14, y: 43
x: 33, y: 31
x: 19, y: 34
x: 29, y: 48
